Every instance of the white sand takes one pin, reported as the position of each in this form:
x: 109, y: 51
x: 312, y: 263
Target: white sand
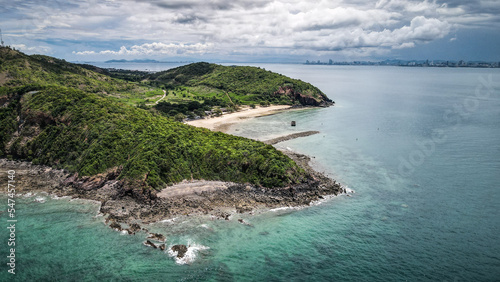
x: 223, y: 122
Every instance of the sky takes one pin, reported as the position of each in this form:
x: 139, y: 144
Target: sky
x: 254, y: 30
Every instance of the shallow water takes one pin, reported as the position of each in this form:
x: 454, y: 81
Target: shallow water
x: 425, y: 208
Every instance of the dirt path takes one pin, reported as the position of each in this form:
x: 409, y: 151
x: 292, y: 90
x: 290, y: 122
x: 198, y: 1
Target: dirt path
x: 156, y: 103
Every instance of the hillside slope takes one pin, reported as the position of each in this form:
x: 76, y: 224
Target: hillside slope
x: 245, y: 85
x: 18, y: 69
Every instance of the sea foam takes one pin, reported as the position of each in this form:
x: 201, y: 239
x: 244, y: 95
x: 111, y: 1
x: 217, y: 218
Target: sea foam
x: 40, y: 199
x: 190, y: 255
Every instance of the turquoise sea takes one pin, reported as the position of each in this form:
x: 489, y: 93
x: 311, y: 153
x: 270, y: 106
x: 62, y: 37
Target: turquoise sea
x: 419, y: 146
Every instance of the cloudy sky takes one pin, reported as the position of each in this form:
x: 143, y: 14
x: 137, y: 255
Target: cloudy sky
x: 254, y: 30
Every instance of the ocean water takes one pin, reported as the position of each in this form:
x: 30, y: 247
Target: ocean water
x: 419, y: 146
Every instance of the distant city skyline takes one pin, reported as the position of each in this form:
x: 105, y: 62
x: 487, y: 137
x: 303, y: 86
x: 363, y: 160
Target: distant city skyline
x: 411, y: 63
x: 255, y: 31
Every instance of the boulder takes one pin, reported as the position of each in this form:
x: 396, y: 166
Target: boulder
x: 180, y: 249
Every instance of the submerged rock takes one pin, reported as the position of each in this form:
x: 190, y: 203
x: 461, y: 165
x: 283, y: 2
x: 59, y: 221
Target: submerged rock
x: 244, y: 222
x: 150, y: 244
x: 180, y: 249
x: 157, y: 237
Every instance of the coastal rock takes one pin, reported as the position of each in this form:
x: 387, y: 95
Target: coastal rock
x: 180, y: 249
x: 162, y: 247
x: 115, y: 226
x: 122, y: 209
x: 150, y: 244
x: 305, y: 100
x: 157, y: 237
x: 226, y: 216
x: 242, y: 208
x: 134, y: 227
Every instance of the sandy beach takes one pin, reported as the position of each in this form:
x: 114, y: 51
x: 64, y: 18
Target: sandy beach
x: 224, y: 122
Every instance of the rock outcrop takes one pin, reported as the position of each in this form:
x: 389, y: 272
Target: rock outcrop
x: 304, y: 99
x: 180, y: 250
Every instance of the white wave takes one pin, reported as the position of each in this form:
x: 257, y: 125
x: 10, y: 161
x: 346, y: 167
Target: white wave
x: 27, y: 195
x: 348, y: 190
x: 55, y: 197
x: 190, y: 255
x: 321, y: 201
x: 170, y: 220
x: 282, y: 209
x: 40, y: 199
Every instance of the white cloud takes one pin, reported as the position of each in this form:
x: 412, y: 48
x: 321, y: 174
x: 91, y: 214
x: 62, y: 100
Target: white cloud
x: 84, y: 53
x: 177, y: 28
x: 404, y: 45
x: 32, y: 49
x: 156, y: 48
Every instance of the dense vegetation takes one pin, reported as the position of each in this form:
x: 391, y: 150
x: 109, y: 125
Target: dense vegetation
x: 79, y: 130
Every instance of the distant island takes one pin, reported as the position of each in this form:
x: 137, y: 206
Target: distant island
x: 412, y: 63
x: 142, y: 61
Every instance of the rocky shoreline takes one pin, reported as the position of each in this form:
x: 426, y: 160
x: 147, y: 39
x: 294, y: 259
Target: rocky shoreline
x: 126, y: 204
x: 128, y: 208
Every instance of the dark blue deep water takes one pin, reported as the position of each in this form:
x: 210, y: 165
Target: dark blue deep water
x: 419, y: 146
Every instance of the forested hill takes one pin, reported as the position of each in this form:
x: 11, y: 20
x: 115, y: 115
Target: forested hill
x: 18, y: 69
x: 242, y: 83
x: 70, y: 127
